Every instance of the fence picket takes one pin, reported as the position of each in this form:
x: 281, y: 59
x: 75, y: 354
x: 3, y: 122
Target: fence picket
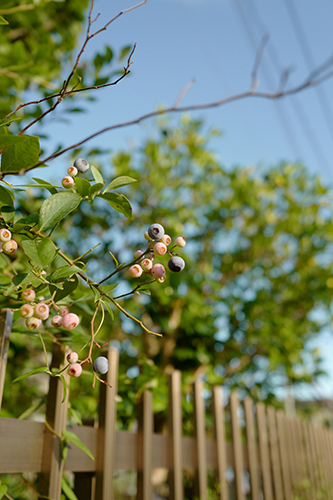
x: 6, y: 319
x: 175, y: 432
x: 221, y: 452
x: 264, y: 452
x: 284, y: 456
x: 106, y: 430
x: 275, y: 456
x: 237, y: 446
x: 291, y: 451
x: 144, y: 446
x: 252, y: 448
x: 56, y: 417
x: 200, y: 434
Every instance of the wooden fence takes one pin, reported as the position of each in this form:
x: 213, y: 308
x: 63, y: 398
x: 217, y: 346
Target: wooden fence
x: 267, y: 453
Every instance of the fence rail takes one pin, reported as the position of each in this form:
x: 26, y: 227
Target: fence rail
x: 268, y: 453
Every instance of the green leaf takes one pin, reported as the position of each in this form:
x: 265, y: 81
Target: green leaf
x: 46, y: 185
x: 41, y: 369
x: 8, y: 121
x: 114, y: 258
x: 82, y: 186
x: 25, y: 279
x: 67, y: 489
x: 145, y: 291
x: 109, y: 288
x: 119, y: 202
x: 26, y: 222
x: 31, y: 409
x: 23, y: 153
x: 97, y: 175
x: 56, y: 207
x: 95, y: 188
x: 3, y: 20
x: 64, y: 384
x: 5, y: 197
x: 73, y: 438
x: 118, y: 182
x: 3, y: 487
x: 40, y: 251
x: 7, y: 213
x: 64, y: 271
x: 108, y: 308
x: 124, y: 51
x: 69, y: 287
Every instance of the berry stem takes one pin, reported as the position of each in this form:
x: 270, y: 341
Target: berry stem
x: 120, y: 268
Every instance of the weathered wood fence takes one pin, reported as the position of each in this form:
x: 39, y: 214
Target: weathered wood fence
x: 268, y: 453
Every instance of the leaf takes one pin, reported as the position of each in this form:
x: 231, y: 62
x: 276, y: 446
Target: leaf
x: 145, y: 291
x: 114, y: 258
x: 82, y: 186
x: 67, y: 489
x: 8, y: 121
x: 64, y: 384
x: 73, y: 438
x: 22, y: 154
x: 41, y: 369
x: 119, y: 202
x: 64, y: 272
x: 3, y: 487
x: 56, y: 207
x: 31, y: 220
x: 40, y: 251
x: 7, y: 213
x: 31, y: 409
x: 108, y: 308
x: 124, y: 51
x: 69, y: 287
x: 95, y: 188
x: 109, y: 288
x: 122, y: 180
x: 5, y: 197
x: 97, y: 175
x: 3, y: 20
x: 46, y: 185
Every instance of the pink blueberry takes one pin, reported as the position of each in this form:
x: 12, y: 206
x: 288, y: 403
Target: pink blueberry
x: 165, y: 239
x: 56, y: 321
x: 180, y: 241
x: 137, y: 254
x: 28, y: 295
x: 9, y: 247
x: 5, y: 235
x: 147, y: 264
x: 67, y: 182
x: 75, y: 370
x: 42, y: 310
x: 158, y: 271
x: 135, y: 271
x: 72, y: 357
x: 33, y: 323
x: 64, y: 311
x: 70, y: 321
x: 72, y: 171
x: 160, y: 248
x: 26, y: 311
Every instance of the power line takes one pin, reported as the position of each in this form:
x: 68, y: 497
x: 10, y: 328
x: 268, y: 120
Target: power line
x: 307, y: 54
x: 300, y: 114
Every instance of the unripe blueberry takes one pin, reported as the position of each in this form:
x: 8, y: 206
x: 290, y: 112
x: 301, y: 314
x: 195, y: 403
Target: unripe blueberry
x: 147, y: 264
x: 135, y: 271
x: 180, y: 241
x: 137, y: 254
x: 42, y: 310
x: 72, y: 171
x: 101, y: 365
x: 75, y: 370
x: 9, y: 247
x: 56, y: 321
x: 26, y: 311
x: 64, y: 311
x: 147, y: 237
x: 160, y: 248
x: 72, y: 357
x: 5, y: 235
x: 158, y: 271
x: 81, y: 164
x: 156, y: 231
x: 176, y: 264
x: 165, y: 239
x: 70, y: 321
x: 67, y: 182
x: 28, y: 295
x: 33, y: 323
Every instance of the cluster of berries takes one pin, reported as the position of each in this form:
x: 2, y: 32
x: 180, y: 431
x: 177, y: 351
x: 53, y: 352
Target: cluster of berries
x: 8, y: 245
x: 35, y: 313
x: 158, y: 245
x: 101, y: 365
x: 80, y: 165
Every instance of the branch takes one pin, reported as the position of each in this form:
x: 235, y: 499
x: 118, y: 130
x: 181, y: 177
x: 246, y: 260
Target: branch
x: 18, y: 8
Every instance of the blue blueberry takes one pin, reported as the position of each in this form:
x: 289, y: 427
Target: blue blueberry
x: 176, y: 264
x: 101, y: 365
x: 81, y: 164
x: 156, y: 231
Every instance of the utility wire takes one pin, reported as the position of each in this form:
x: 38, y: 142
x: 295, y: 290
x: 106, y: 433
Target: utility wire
x: 288, y: 131
x: 299, y: 111
x: 307, y: 54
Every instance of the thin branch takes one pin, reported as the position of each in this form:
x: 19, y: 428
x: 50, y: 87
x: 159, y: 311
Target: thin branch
x: 18, y: 8
x: 258, y: 59
x: 183, y: 92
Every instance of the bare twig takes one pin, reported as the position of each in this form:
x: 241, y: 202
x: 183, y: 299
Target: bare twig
x: 183, y: 92
x: 257, y: 61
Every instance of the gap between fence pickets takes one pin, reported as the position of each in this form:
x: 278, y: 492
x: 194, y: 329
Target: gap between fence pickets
x: 6, y: 319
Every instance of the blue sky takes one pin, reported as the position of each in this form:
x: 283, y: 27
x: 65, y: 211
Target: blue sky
x: 215, y: 42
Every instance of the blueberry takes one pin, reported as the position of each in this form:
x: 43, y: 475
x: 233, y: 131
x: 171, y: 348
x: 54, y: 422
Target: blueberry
x: 156, y: 231
x: 176, y: 264
x: 81, y: 164
x: 101, y: 365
